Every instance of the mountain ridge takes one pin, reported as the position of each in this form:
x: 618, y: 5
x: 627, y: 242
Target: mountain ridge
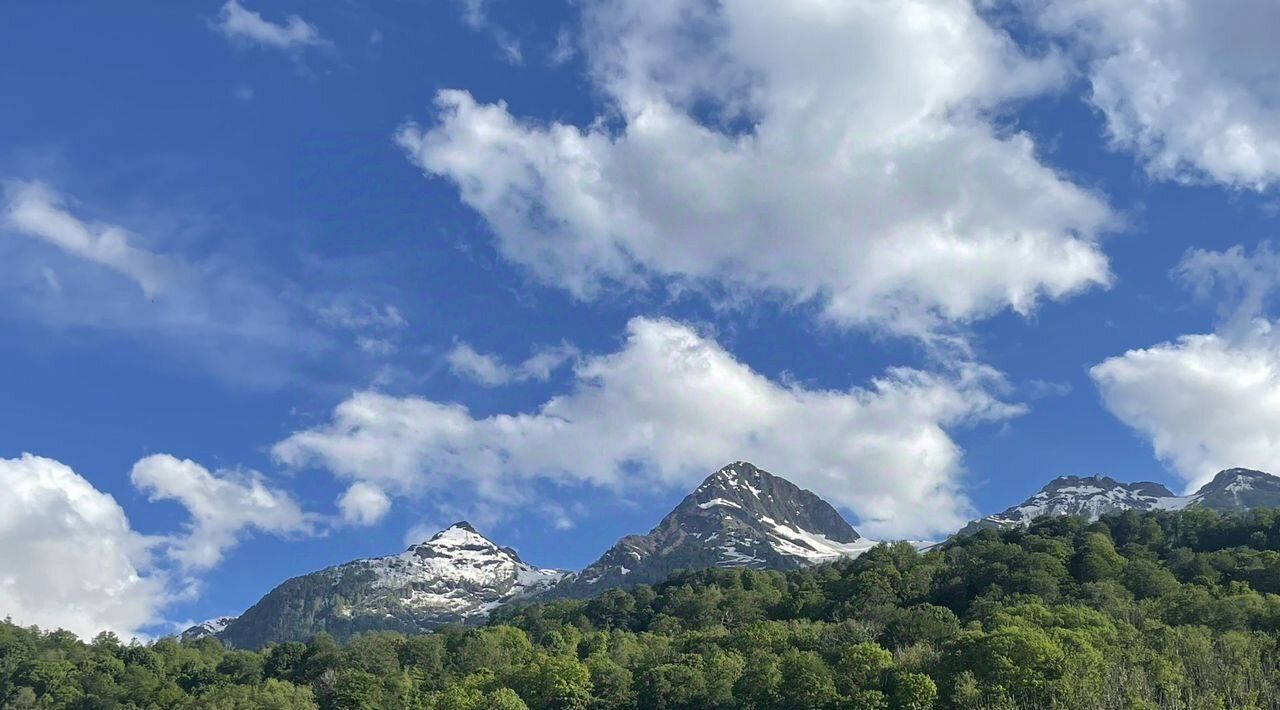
x: 1093, y: 496
x: 739, y: 516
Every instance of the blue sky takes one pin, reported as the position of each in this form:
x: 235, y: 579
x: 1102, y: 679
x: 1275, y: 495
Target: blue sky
x: 284, y: 284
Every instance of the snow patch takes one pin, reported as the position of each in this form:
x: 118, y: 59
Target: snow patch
x: 815, y: 547
x: 719, y: 501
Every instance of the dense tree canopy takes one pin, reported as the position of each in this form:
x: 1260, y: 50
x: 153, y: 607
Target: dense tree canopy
x: 1151, y: 610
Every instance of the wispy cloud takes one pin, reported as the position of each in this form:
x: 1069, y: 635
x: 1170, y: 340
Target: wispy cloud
x: 242, y: 25
x: 475, y: 14
x: 490, y: 370
x: 64, y: 266
x: 36, y: 210
x: 362, y: 315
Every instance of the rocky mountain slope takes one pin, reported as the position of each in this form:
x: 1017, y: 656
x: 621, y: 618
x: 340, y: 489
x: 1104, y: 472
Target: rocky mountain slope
x: 1238, y: 488
x: 740, y: 516
x: 456, y: 576
x: 1092, y: 496
x: 1089, y: 496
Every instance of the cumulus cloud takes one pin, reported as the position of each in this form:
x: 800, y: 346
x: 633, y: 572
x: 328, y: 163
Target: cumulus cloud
x: 1205, y: 402
x: 490, y: 371
x: 841, y: 154
x: 68, y: 555
x: 240, y: 24
x: 36, y: 210
x: 1188, y: 85
x: 667, y: 409
x: 1208, y: 401
x: 221, y: 506
x: 363, y: 504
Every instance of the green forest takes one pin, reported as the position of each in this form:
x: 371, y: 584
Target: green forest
x: 1136, y: 610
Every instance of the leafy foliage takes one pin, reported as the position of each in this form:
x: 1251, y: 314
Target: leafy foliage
x: 1137, y: 610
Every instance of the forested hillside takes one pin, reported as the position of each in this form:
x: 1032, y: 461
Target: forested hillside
x: 1137, y: 610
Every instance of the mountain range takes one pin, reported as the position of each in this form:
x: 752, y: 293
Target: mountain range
x: 740, y: 516
x: 1092, y: 496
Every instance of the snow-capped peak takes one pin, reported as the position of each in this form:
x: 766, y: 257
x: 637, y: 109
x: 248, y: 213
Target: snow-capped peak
x: 210, y: 627
x: 1088, y: 496
x: 739, y: 516
x: 457, y: 575
x: 460, y: 534
x: 739, y: 475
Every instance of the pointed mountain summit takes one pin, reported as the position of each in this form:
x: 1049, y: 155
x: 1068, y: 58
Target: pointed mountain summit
x: 458, y: 575
x: 740, y: 516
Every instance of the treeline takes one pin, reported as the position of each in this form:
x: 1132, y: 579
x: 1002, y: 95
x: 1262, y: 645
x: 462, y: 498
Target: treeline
x: 1154, y: 610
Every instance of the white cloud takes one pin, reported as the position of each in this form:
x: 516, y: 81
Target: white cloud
x: 239, y: 24
x: 221, y: 506
x: 36, y: 210
x: 667, y: 409
x: 842, y: 154
x: 1205, y: 402
x: 68, y: 556
x: 363, y: 504
x: 1210, y: 401
x: 490, y: 371
x: 1189, y: 85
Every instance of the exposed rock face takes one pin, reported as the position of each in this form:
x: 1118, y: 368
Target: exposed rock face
x: 456, y: 576
x: 740, y: 516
